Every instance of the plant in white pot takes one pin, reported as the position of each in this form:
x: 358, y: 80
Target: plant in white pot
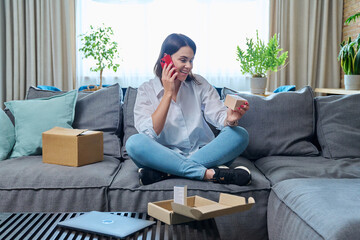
x: 260, y: 58
x: 349, y: 57
x: 98, y: 44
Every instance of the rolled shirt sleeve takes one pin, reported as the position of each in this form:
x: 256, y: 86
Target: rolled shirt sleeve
x: 213, y: 108
x: 143, y: 110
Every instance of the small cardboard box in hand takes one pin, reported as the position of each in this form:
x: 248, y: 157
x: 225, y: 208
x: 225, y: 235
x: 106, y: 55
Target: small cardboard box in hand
x: 72, y: 147
x: 234, y: 101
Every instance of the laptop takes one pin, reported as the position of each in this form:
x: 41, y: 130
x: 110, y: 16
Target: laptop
x: 104, y: 223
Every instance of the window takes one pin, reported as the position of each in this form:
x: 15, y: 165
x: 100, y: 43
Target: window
x: 140, y: 26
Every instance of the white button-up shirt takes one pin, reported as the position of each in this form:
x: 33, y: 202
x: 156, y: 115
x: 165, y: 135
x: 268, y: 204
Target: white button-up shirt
x: 185, y: 129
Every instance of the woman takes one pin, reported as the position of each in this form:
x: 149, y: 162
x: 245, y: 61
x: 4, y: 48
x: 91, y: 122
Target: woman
x: 174, y: 138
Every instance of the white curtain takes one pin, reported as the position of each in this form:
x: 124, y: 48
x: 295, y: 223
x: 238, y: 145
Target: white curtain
x: 311, y: 32
x: 37, y: 46
x: 140, y: 27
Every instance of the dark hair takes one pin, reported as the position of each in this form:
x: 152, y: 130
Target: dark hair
x: 171, y: 45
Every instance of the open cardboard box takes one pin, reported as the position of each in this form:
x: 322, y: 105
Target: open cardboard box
x: 198, y: 208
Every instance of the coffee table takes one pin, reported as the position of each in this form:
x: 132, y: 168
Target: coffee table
x: 44, y: 226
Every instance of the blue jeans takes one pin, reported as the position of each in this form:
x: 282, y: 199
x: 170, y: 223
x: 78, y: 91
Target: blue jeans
x: 146, y: 152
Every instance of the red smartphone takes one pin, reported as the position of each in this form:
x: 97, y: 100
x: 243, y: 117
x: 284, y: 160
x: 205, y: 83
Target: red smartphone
x: 166, y: 59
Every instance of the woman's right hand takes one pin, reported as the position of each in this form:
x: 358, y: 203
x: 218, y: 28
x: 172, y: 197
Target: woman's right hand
x: 168, y: 78
x: 168, y: 82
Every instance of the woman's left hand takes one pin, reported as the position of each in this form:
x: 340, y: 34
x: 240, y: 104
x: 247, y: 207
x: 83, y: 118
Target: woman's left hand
x: 235, y: 115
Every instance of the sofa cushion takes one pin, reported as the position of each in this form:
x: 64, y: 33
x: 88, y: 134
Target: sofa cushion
x: 315, y: 209
x: 32, y: 117
x: 280, y: 124
x: 100, y: 110
x: 27, y: 185
x: 125, y: 192
x: 7, y: 135
x: 128, y: 112
x: 280, y: 168
x: 338, y: 125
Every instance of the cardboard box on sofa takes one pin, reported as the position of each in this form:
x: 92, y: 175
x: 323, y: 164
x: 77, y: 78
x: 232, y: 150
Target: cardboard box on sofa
x: 72, y: 147
x: 198, y: 208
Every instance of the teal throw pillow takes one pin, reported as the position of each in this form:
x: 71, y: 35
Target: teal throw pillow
x: 33, y: 117
x: 7, y: 135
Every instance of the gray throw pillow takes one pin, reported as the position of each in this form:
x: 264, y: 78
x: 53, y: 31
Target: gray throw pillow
x: 128, y: 111
x: 280, y: 124
x: 10, y: 115
x: 99, y: 110
x: 7, y: 135
x: 34, y: 92
x: 338, y: 125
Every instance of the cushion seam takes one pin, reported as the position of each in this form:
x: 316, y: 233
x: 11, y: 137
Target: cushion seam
x: 195, y: 189
x: 107, y: 188
x: 293, y: 211
x: 326, y: 144
x: 270, y: 182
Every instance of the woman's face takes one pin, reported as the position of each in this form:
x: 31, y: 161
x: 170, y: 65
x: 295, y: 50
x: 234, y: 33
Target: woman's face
x: 183, y: 61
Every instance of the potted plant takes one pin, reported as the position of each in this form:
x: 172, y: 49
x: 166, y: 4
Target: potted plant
x: 260, y: 58
x: 349, y: 57
x: 98, y: 44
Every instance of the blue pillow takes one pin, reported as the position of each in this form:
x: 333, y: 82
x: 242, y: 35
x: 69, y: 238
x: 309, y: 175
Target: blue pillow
x: 33, y: 117
x: 7, y: 135
x: 285, y: 88
x: 50, y: 88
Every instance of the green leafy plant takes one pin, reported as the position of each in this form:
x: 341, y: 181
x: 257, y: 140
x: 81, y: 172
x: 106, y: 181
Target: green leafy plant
x: 259, y: 58
x: 349, y: 56
x: 352, y: 18
x: 98, y: 44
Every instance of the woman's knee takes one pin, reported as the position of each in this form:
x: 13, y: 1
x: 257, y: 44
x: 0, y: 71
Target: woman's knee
x: 130, y: 143
x: 237, y: 134
x: 134, y: 143
x: 242, y: 134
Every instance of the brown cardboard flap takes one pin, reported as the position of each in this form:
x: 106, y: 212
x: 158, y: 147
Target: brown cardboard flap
x: 199, y: 201
x: 232, y: 200
x: 201, y: 208
x: 66, y: 131
x: 209, y: 208
x: 162, y: 210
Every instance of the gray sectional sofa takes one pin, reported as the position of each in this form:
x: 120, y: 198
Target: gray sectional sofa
x: 304, y: 155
